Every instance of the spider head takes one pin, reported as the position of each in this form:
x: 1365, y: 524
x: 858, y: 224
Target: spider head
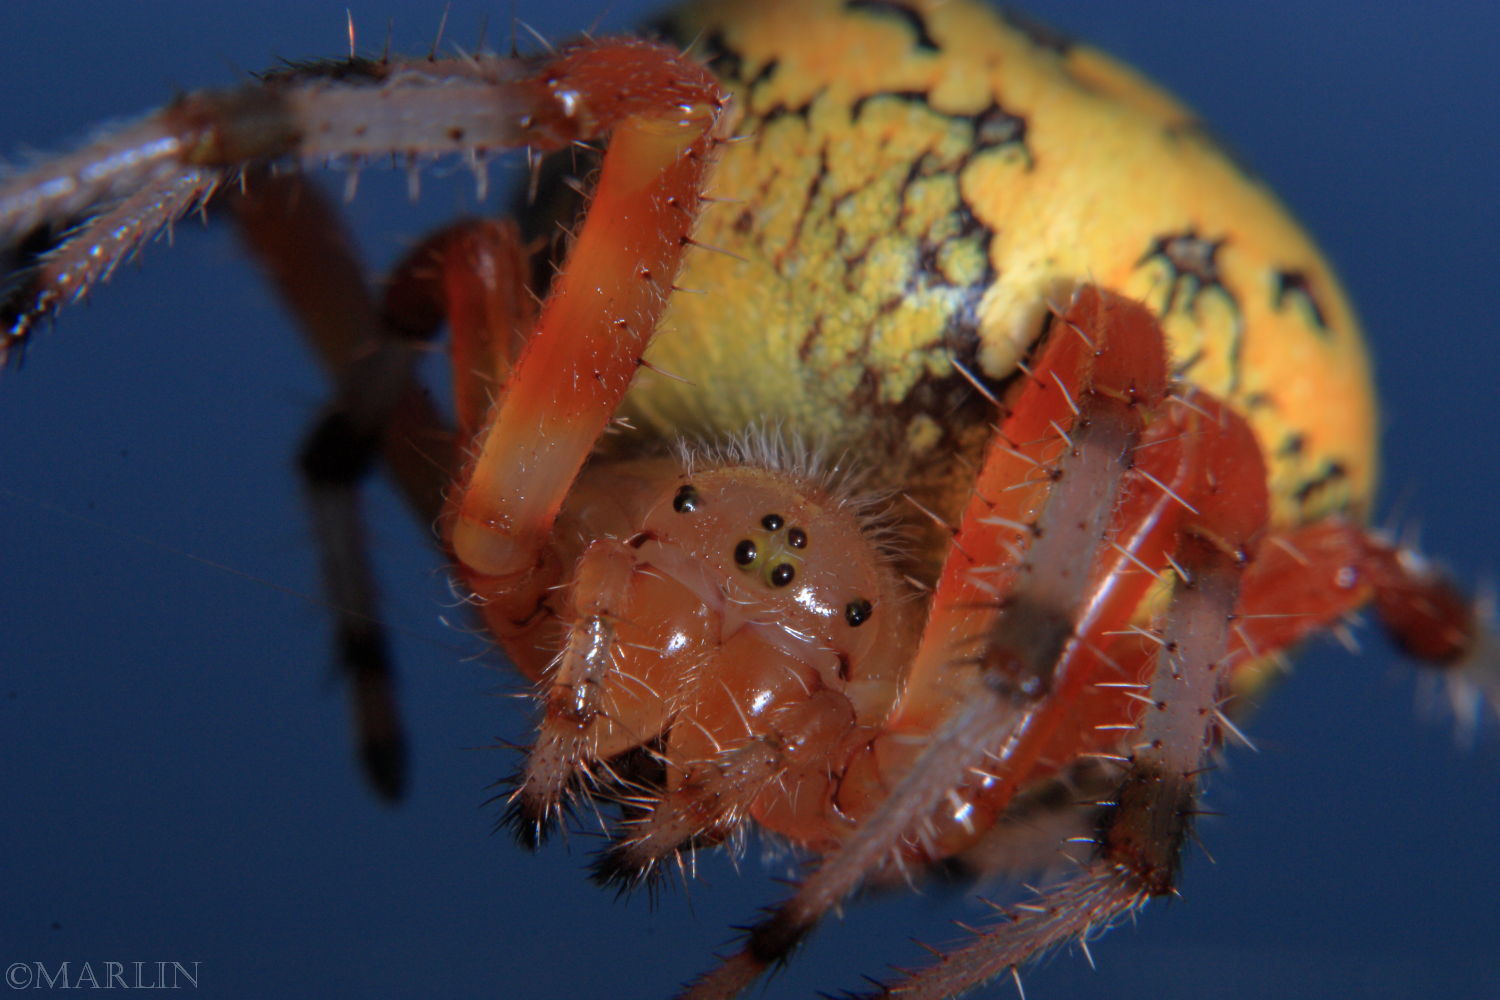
x: 779, y: 552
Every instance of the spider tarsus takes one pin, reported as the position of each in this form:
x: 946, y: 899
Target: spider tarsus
x: 530, y: 825
x: 15, y: 332
x: 22, y: 295
x: 772, y: 941
x: 384, y: 762
x: 615, y: 868
x: 382, y: 744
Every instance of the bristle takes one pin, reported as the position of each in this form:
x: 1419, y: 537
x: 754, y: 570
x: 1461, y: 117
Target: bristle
x: 816, y: 467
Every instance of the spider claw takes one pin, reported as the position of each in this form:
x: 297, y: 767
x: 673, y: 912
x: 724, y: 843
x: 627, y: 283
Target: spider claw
x: 615, y: 868
x: 529, y: 830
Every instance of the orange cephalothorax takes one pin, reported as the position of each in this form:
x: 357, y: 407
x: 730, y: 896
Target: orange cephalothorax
x: 744, y: 593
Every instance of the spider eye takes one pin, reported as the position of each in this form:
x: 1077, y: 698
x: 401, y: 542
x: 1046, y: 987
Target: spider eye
x: 782, y: 574
x: 857, y: 612
x: 744, y: 553
x: 772, y: 522
x: 687, y: 499
x: 797, y: 538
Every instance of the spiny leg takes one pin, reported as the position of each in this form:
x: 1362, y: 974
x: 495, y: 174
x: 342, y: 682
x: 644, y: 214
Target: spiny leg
x: 1310, y: 577
x: 125, y: 186
x: 663, y: 117
x: 1093, y: 674
x: 1300, y: 581
x: 1143, y: 829
x: 60, y: 260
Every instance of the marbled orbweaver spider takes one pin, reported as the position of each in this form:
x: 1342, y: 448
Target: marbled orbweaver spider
x: 664, y: 366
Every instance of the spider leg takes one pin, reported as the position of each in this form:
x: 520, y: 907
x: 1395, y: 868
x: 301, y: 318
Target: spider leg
x: 369, y: 344
x: 369, y: 349
x: 663, y: 116
x: 1144, y: 827
x: 118, y: 190
x: 475, y: 272
x: 75, y: 255
x: 1324, y: 570
x: 1313, y: 576
x: 1432, y: 620
x: 1021, y: 625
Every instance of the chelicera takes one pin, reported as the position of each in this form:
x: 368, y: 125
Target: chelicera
x: 743, y: 614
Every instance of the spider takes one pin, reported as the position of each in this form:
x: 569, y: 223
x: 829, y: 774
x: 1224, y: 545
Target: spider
x: 1155, y: 915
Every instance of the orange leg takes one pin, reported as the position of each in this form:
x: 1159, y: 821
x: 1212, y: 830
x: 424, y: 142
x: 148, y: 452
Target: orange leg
x: 662, y: 116
x: 1309, y: 578
x: 1142, y: 830
x: 471, y: 275
x: 1297, y: 583
x: 556, y: 382
x: 1030, y: 578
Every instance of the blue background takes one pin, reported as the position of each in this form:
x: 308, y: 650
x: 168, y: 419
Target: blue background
x: 175, y: 778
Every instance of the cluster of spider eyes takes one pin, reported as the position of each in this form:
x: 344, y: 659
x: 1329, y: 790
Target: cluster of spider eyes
x: 747, y: 554
x: 782, y: 573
